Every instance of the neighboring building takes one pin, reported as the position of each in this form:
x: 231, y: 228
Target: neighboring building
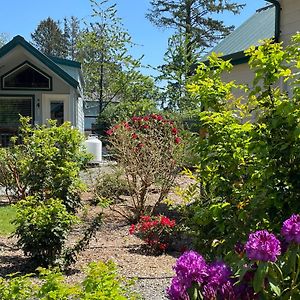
x: 39, y: 86
x: 280, y: 21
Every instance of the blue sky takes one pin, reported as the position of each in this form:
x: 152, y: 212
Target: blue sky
x: 22, y: 17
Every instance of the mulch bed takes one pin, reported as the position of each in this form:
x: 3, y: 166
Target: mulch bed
x: 112, y: 241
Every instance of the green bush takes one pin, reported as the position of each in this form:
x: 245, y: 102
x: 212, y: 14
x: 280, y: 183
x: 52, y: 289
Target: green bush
x: 101, y: 282
x: 42, y: 228
x: 247, y: 174
x: 46, y: 163
x: 111, y: 186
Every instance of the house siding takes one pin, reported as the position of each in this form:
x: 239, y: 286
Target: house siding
x: 290, y: 19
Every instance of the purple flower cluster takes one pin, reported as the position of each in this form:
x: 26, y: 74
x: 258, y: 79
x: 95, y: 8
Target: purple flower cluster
x: 214, y: 280
x: 263, y: 246
x: 291, y: 229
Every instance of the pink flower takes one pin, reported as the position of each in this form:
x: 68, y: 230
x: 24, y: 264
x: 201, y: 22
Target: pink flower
x: 177, y: 140
x: 109, y: 132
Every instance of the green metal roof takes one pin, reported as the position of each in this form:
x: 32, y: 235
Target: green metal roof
x: 49, y: 62
x: 258, y: 27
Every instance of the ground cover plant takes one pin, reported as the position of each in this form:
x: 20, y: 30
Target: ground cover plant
x: 101, y: 282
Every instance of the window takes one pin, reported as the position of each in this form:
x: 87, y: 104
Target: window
x: 11, y: 108
x: 57, y: 111
x: 28, y: 77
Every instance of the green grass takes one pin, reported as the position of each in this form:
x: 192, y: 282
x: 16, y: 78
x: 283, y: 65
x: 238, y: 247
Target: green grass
x: 7, y: 214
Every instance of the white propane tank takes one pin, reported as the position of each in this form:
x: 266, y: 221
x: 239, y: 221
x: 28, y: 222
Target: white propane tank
x: 94, y: 146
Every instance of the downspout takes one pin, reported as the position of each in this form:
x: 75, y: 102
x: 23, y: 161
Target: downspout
x: 277, y: 19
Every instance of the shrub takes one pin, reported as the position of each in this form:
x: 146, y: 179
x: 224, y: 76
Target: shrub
x: 111, y: 186
x: 155, y: 231
x: 46, y: 163
x: 101, y: 282
x: 148, y: 149
x: 265, y: 268
x: 248, y: 159
x: 42, y: 228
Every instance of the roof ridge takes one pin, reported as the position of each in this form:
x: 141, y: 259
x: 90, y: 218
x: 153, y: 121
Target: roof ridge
x: 264, y: 8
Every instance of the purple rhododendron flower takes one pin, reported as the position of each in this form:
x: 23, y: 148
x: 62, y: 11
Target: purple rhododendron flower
x: 291, y: 229
x: 263, y: 246
x: 191, y: 267
x: 177, y: 291
x: 219, y: 283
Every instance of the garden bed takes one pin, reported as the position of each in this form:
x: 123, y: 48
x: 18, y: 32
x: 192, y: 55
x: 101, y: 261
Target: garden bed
x: 112, y: 241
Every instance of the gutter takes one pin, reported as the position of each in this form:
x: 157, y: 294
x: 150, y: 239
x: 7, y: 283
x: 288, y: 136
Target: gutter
x: 277, y: 18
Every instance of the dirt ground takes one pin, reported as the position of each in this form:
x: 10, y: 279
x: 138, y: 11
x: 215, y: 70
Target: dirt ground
x: 112, y: 241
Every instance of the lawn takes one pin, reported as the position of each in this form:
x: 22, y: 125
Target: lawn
x: 7, y: 214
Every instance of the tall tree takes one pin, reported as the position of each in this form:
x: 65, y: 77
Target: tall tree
x: 104, y: 52
x: 4, y: 38
x: 49, y: 38
x: 71, y: 33
x: 196, y: 28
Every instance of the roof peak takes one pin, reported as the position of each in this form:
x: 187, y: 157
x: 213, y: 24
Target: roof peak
x: 265, y: 8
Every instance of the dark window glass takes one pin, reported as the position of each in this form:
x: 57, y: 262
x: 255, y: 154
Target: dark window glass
x: 57, y: 111
x: 10, y: 109
x: 26, y: 77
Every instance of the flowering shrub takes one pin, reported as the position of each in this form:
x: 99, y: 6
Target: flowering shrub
x: 269, y: 270
x: 148, y: 149
x: 196, y: 279
x: 155, y: 231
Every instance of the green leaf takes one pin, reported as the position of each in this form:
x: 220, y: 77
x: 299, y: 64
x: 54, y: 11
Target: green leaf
x: 259, y: 277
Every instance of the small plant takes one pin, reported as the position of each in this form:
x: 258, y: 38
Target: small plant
x: 42, y: 228
x: 155, y: 231
x: 148, y: 149
x: 265, y: 268
x: 111, y: 186
x: 101, y: 282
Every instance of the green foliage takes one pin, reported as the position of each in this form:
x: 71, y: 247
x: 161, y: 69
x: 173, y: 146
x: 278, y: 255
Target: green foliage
x: 46, y: 164
x: 7, y: 214
x: 111, y: 186
x: 49, y: 38
x: 42, y: 228
x: 196, y: 28
x: 101, y: 282
x: 247, y: 172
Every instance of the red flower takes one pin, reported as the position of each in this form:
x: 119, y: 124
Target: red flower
x: 109, y: 132
x: 132, y: 229
x: 177, y: 140
x: 146, y: 118
x: 134, y: 136
x: 174, y: 130
x: 146, y: 126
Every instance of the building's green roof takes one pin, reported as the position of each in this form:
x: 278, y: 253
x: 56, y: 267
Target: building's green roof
x: 258, y: 27
x: 49, y: 62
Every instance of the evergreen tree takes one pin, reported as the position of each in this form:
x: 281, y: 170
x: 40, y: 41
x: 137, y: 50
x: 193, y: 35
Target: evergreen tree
x: 196, y: 28
x: 71, y: 34
x: 49, y: 38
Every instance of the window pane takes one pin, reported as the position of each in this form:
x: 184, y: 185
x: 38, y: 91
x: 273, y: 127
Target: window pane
x: 10, y: 109
x: 26, y: 77
x: 57, y: 111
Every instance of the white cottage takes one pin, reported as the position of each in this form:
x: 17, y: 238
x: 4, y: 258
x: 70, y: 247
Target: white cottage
x: 39, y: 86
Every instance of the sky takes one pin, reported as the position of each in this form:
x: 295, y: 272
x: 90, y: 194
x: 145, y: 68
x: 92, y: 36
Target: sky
x: 20, y: 17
